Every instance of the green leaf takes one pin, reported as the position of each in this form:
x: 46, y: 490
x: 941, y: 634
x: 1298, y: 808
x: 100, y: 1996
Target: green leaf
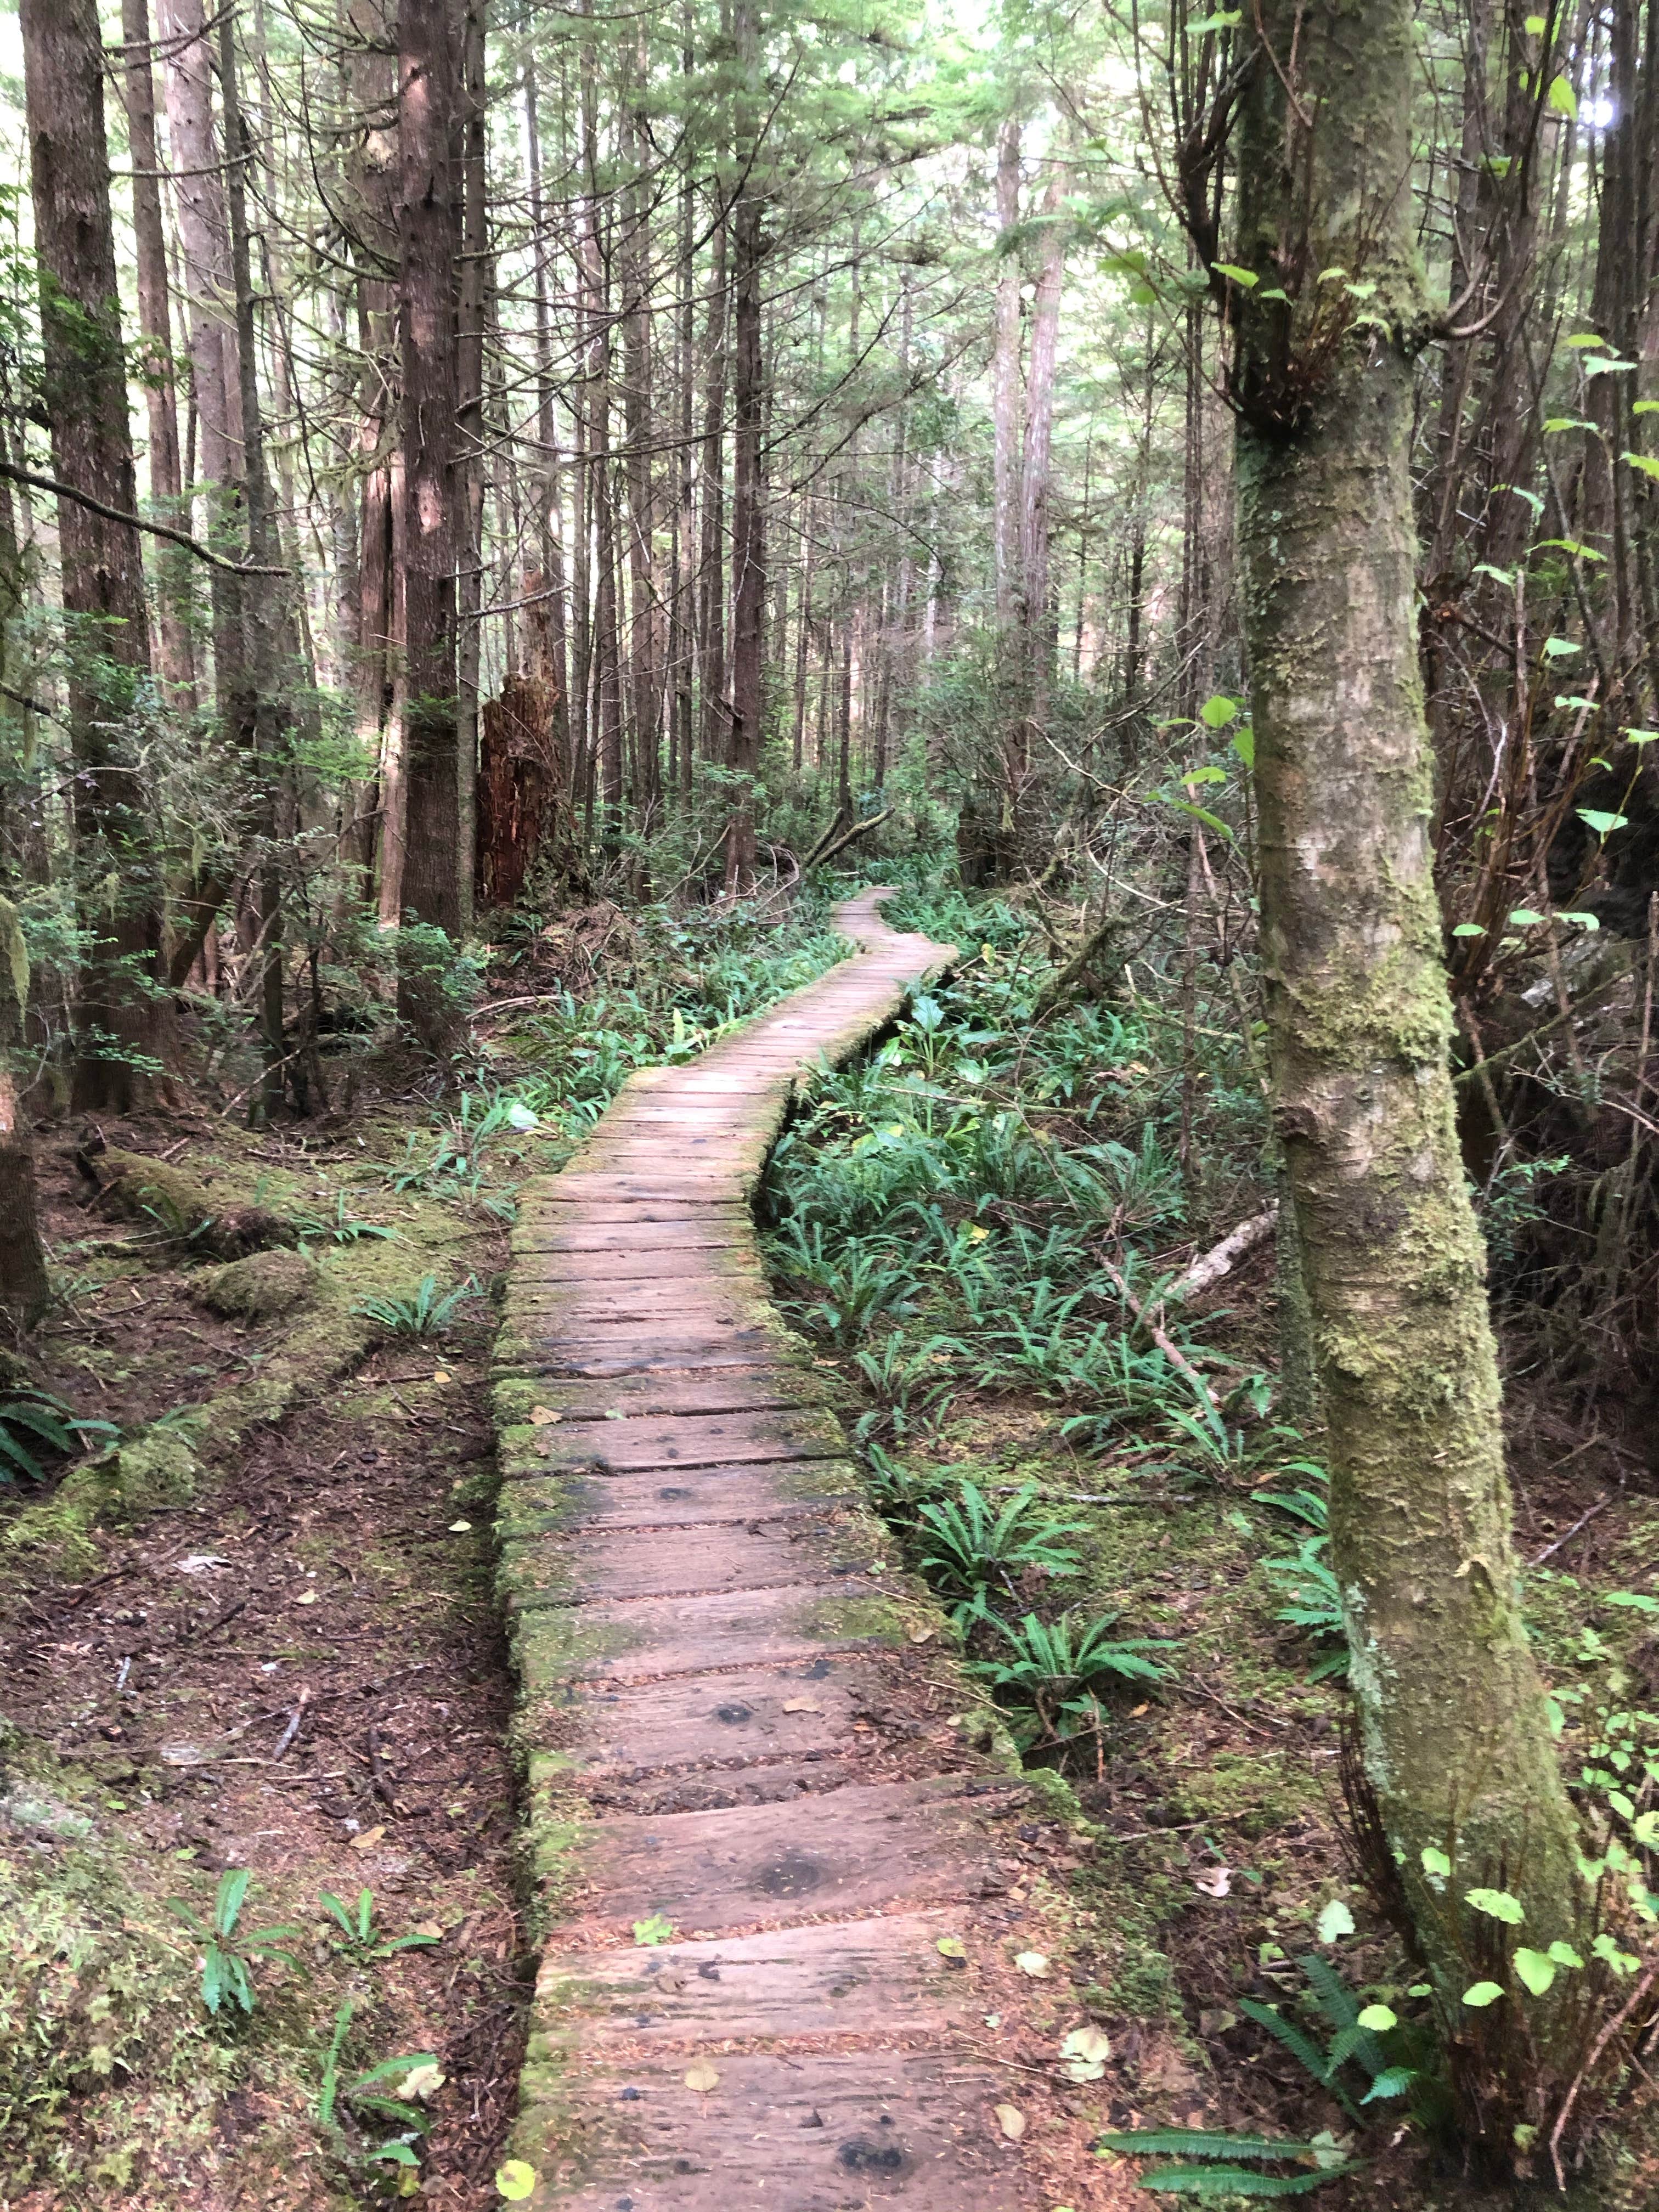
x: 1479, y: 1994
x: 1634, y: 1600
x: 1583, y: 921
x: 1203, y: 2143
x: 1237, y: 2180
x: 1224, y: 19
x: 656, y: 1929
x: 952, y: 1947
x: 1218, y: 710
x: 1378, y: 2017
x: 1603, y: 825
x: 1563, y: 98
x: 1563, y: 1954
x: 1535, y: 1968
x: 1648, y: 468
x: 1436, y: 1865
x: 1246, y: 277
x: 1537, y: 25
x: 1210, y: 774
x: 1334, y: 1922
x: 1640, y: 737
x: 1496, y: 1905
x: 1603, y: 364
x: 1523, y: 917
x: 1468, y: 929
x: 1243, y: 744
x: 1557, y: 648
x: 1585, y: 341
x: 515, y: 2179
x: 1392, y: 2082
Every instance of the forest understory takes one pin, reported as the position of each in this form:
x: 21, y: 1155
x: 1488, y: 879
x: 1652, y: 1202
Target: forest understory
x: 264, y: 1637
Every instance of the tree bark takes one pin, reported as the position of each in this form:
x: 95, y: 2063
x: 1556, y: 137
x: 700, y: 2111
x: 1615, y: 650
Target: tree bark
x: 429, y: 242
x: 1451, y: 1715
x: 107, y: 632
x: 24, y: 1291
x: 748, y: 517
x: 177, y: 658
x: 1005, y: 380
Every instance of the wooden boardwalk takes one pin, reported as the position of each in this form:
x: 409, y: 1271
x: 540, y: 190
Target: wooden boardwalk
x: 735, y: 1715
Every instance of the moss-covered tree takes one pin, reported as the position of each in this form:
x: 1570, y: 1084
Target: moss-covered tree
x: 1325, y: 319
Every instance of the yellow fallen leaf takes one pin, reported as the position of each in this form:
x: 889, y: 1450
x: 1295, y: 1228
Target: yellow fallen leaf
x: 922, y: 1632
x: 440, y: 1375
x: 432, y: 1930
x: 515, y: 2180
x: 1011, y: 2121
x: 701, y: 2077
x: 541, y: 1415
x: 1085, y: 2051
x: 800, y: 1705
x: 368, y: 1839
x: 307, y: 1597
x: 1135, y: 1711
x: 1034, y: 1964
x: 459, y: 1528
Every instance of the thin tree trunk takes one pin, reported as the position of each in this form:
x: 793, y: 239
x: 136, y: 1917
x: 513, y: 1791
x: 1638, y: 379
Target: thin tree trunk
x: 429, y: 237
x: 1037, y: 642
x: 469, y: 427
x: 1005, y: 381
x: 178, y: 660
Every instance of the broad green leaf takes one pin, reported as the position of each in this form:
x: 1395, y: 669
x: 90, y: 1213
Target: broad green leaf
x: 1496, y: 1905
x: 1640, y: 737
x: 1209, y: 774
x: 1603, y: 364
x: 1468, y: 929
x: 1563, y: 98
x: 1479, y: 1994
x: 1535, y: 1968
x: 1224, y: 19
x: 1334, y: 1922
x: 1563, y: 1954
x: 654, y: 1931
x: 1633, y: 1600
x: 1218, y: 710
x: 1436, y: 1865
x: 1585, y: 341
x: 1523, y: 917
x: 1247, y: 277
x: 1378, y: 2017
x: 1603, y: 825
x: 1648, y: 468
x: 1537, y: 25
x: 1644, y: 407
x: 1243, y: 744
x: 1557, y: 648
x: 1583, y: 921
x: 515, y: 2179
x: 951, y: 1946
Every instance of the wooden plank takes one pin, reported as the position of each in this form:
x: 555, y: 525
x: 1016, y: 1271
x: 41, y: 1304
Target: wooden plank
x: 716, y: 1438
x: 882, y: 1977
x: 749, y: 1628
x: 852, y: 2130
x: 696, y: 1720
x: 853, y: 1852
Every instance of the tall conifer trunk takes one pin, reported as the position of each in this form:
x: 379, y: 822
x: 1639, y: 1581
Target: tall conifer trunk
x: 429, y: 240
x: 85, y: 397
x: 1451, y: 1715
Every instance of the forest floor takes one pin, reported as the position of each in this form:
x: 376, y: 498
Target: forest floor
x: 298, y: 1671
x: 266, y: 1637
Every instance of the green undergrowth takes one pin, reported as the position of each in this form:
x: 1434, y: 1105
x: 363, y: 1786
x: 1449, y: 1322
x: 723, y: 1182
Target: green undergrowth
x: 972, y: 1223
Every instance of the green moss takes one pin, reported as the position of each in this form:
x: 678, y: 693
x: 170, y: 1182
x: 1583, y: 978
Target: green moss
x: 259, y: 1288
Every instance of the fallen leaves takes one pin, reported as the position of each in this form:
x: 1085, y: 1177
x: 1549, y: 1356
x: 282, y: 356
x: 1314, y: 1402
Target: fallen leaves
x: 653, y: 1930
x: 1035, y: 1964
x: 541, y: 1416
x: 459, y: 1528
x: 1011, y: 2121
x: 701, y: 2077
x: 369, y: 1837
x: 1214, y: 1881
x: 307, y: 1597
x: 800, y: 1705
x: 1085, y: 2051
x: 952, y: 1950
x: 515, y: 2179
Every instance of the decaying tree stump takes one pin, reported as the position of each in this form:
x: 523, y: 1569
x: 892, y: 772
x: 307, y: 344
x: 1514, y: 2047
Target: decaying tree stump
x: 522, y: 788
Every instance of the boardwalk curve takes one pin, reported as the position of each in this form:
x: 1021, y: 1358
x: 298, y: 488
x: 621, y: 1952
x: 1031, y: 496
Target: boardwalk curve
x: 752, y: 1815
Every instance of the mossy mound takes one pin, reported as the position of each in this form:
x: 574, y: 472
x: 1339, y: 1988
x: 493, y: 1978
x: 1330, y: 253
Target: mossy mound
x: 260, y: 1287
x: 181, y: 1206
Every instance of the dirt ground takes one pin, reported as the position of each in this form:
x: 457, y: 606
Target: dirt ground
x: 298, y: 1672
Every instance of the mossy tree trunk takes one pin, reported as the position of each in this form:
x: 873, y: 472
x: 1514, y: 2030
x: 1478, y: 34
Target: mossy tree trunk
x: 1451, y: 1708
x: 25, y: 1292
